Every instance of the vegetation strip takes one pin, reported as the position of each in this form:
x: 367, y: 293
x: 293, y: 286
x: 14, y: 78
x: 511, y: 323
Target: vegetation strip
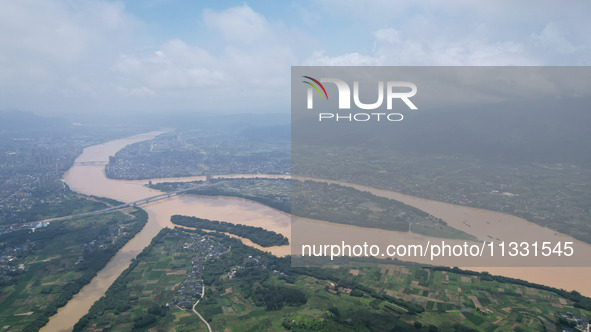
x: 249, y: 290
x: 258, y: 235
x: 324, y: 201
x: 54, y: 261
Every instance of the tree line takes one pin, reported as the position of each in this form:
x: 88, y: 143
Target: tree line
x: 93, y: 262
x: 258, y: 235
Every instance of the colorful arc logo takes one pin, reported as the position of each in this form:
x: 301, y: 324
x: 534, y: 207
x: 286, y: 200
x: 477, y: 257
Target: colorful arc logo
x: 316, y: 87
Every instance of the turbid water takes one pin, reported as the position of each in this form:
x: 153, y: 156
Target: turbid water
x: 91, y: 180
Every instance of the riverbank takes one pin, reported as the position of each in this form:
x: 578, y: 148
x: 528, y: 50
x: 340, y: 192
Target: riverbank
x: 91, y: 180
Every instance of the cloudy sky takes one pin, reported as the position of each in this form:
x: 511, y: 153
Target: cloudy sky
x: 64, y: 57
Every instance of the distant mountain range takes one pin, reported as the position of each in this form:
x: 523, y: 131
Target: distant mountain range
x: 24, y: 122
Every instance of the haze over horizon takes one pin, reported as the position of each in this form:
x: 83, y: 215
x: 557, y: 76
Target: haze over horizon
x: 107, y: 57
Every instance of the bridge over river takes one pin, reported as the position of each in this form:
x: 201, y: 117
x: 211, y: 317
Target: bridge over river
x: 139, y: 202
x: 91, y: 163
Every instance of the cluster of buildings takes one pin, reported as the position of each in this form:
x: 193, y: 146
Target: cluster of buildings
x: 11, y: 262
x: 193, y: 154
x: 32, y: 226
x: 256, y: 262
x: 30, y: 174
x: 106, y: 239
x: 103, y: 241
x: 580, y: 324
x: 191, y: 288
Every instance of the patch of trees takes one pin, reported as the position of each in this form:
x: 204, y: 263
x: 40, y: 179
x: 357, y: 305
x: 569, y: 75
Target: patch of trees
x: 257, y: 235
x: 422, y: 276
x: 144, y: 321
x: 117, y: 296
x: 346, y: 205
x: 250, y: 277
x: 89, y: 266
x: 297, y: 322
x: 216, y: 268
x: 196, y: 231
x: 155, y: 312
x: 275, y: 297
x: 268, y: 200
x: 210, y: 309
x: 255, y: 283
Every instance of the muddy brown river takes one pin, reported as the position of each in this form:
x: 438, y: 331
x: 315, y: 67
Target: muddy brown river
x: 91, y: 180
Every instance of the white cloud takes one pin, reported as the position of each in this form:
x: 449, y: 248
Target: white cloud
x: 59, y: 53
x: 61, y: 31
x: 94, y: 55
x: 463, y: 32
x: 387, y: 35
x: 238, y: 24
x: 174, y: 66
x: 250, y: 72
x: 390, y: 49
x: 141, y: 91
x: 554, y: 38
x: 349, y: 59
x: 54, y: 52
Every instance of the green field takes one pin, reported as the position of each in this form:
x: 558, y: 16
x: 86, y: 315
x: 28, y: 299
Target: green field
x: 248, y: 290
x: 328, y: 202
x: 58, y: 260
x: 554, y: 195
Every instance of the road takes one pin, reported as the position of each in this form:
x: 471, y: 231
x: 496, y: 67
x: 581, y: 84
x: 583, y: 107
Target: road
x: 195, y: 311
x: 115, y: 208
